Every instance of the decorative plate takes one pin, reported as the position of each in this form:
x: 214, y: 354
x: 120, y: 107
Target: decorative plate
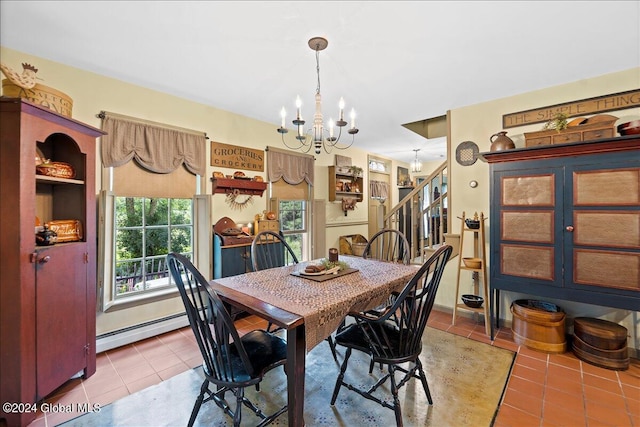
x: 467, y: 153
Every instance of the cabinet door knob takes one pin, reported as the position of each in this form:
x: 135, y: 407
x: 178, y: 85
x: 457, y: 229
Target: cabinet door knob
x: 44, y: 259
x: 569, y: 228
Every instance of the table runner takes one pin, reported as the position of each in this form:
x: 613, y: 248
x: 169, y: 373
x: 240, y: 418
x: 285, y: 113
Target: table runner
x: 323, y: 305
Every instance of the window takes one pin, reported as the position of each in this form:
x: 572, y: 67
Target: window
x: 293, y: 222
x: 145, y: 231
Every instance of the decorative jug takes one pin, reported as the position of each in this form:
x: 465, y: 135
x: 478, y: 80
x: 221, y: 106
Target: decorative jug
x: 501, y: 142
x: 46, y: 237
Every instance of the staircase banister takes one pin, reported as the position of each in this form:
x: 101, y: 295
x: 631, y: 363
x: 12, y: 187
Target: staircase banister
x: 415, y: 191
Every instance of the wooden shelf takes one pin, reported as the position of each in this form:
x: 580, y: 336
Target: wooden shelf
x: 339, y: 174
x: 243, y: 186
x: 54, y: 180
x: 479, y: 279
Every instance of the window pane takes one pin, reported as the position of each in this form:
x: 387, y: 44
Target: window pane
x: 128, y: 244
x: 146, y: 229
x: 127, y: 275
x: 128, y: 212
x: 157, y: 241
x: 180, y: 211
x: 156, y: 211
x: 292, y: 215
x: 181, y: 239
x: 295, y: 241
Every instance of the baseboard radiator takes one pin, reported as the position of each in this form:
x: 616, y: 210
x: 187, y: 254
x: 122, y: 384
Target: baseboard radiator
x: 140, y: 332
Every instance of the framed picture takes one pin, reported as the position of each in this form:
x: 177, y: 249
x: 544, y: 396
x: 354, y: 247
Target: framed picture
x: 403, y: 177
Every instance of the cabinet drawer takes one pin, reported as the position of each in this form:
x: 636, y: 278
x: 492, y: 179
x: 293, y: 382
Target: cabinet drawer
x: 597, y: 134
x: 532, y: 142
x: 270, y: 225
x: 564, y: 138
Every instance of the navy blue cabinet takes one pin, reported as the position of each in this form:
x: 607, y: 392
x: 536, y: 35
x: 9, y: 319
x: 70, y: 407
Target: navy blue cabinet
x: 565, y: 222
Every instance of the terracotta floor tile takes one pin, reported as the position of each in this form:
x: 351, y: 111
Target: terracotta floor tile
x: 601, y: 397
x: 533, y: 389
x: 143, y: 383
x: 603, y: 413
x: 524, y: 402
x: 508, y: 345
x: 528, y: 374
x: 531, y: 362
x: 573, y: 402
x: 533, y: 353
x: 567, y: 374
x: 612, y: 386
x: 514, y: 417
x: 172, y: 371
x: 567, y: 359
x: 560, y: 383
x: 97, y: 385
x: 557, y: 413
x: 161, y: 363
x: 597, y: 371
x: 133, y: 373
x: 104, y: 399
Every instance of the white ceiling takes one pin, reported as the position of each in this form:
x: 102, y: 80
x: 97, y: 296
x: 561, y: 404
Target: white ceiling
x: 394, y: 62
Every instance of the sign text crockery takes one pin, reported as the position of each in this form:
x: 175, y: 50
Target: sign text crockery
x: 236, y: 157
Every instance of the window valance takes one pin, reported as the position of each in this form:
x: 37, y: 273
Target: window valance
x: 157, y: 148
x: 293, y: 168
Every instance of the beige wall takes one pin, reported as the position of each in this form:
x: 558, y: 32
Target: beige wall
x: 477, y: 123
x: 92, y: 93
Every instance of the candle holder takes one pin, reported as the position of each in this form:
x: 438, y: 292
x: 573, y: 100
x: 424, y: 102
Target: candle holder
x: 333, y: 255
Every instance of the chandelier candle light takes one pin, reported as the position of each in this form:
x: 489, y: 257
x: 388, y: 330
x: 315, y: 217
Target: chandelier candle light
x: 314, y: 136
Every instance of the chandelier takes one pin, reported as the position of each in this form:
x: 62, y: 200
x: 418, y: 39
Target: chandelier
x: 416, y: 166
x: 318, y: 135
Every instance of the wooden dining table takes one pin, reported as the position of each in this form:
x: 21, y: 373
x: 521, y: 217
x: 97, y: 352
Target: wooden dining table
x: 310, y: 308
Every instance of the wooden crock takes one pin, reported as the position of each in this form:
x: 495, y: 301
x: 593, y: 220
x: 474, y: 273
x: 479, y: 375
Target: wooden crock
x: 599, y: 333
x: 609, y: 359
x: 538, y: 329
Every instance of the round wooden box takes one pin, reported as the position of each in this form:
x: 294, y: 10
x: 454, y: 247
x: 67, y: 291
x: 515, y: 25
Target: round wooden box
x: 600, y: 333
x: 601, y: 343
x: 539, y: 325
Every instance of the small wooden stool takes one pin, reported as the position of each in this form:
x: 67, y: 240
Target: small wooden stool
x: 601, y: 343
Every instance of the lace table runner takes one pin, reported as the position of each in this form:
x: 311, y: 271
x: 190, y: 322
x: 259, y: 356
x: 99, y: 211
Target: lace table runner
x: 323, y: 305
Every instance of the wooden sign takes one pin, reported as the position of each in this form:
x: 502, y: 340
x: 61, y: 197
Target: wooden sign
x: 236, y: 157
x: 600, y: 104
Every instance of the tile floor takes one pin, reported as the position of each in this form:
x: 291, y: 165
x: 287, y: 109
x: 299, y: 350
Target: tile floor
x: 543, y: 390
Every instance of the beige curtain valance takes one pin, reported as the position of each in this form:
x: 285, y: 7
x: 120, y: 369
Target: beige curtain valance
x: 156, y: 148
x: 378, y: 190
x: 293, y: 168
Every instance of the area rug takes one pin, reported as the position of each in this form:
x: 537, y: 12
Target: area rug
x: 466, y: 378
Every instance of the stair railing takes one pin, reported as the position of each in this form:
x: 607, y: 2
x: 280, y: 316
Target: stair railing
x: 422, y: 214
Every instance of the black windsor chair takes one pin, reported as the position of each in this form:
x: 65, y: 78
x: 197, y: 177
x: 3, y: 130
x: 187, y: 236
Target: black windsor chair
x: 231, y: 362
x: 388, y: 245
x: 394, y: 337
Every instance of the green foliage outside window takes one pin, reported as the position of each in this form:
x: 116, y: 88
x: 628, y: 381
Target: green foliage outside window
x: 293, y: 224
x: 146, y: 230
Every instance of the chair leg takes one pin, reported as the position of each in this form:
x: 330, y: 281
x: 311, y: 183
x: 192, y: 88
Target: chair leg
x: 196, y: 407
x: 237, y: 416
x: 396, y: 401
x: 332, y: 345
x: 340, y: 379
x: 423, y: 378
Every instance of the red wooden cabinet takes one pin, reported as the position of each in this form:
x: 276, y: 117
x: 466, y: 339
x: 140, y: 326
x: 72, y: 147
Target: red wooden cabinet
x: 47, y: 293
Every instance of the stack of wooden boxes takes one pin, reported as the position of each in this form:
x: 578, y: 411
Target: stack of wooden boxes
x: 596, y: 127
